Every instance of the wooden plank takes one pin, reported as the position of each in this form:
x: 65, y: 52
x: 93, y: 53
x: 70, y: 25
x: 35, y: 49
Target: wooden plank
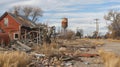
x: 23, y: 45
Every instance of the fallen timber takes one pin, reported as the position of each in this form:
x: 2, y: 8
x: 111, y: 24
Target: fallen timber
x: 24, y: 46
x: 20, y: 46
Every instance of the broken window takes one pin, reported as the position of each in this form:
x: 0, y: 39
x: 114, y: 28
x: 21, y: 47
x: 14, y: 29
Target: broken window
x: 16, y: 36
x: 6, y: 21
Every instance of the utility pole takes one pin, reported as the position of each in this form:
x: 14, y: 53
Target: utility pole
x: 97, y: 25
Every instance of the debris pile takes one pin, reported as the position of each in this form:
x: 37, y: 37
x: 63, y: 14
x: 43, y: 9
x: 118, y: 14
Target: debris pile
x: 65, y: 54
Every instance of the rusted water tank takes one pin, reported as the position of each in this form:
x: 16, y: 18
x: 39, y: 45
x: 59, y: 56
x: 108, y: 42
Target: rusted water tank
x: 4, y: 38
x: 64, y: 23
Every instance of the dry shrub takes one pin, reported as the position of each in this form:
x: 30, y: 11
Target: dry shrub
x: 67, y: 35
x: 77, y: 52
x: 62, y: 49
x: 14, y: 59
x: 70, y: 34
x: 110, y: 59
x: 115, y: 34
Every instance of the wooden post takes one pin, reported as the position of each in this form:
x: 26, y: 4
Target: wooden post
x: 37, y: 39
x: 39, y: 36
x: 20, y: 32
x: 25, y: 35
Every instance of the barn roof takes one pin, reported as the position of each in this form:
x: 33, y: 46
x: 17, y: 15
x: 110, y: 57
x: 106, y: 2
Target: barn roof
x: 21, y: 20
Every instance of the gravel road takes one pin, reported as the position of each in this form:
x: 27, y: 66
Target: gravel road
x: 111, y: 46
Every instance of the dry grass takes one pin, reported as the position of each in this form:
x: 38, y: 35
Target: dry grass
x: 56, y: 49
x: 93, y: 42
x: 113, y: 40
x: 110, y: 59
x: 14, y: 59
x: 98, y: 43
x: 77, y: 42
x: 47, y: 49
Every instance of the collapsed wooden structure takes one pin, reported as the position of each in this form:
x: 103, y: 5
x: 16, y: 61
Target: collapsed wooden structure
x: 22, y: 29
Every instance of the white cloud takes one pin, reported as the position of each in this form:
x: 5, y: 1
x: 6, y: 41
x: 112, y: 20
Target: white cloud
x: 63, y: 8
x: 113, y: 0
x: 56, y: 4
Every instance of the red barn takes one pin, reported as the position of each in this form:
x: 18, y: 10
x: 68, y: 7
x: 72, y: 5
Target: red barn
x: 15, y: 25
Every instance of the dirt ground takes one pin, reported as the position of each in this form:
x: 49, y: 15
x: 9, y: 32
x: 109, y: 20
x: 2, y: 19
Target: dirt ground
x: 109, y: 45
x: 71, y: 53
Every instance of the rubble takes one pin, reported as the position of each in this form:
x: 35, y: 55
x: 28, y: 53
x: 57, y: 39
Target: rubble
x: 61, y: 56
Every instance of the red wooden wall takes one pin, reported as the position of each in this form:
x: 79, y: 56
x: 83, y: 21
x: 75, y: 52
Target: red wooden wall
x: 13, y: 26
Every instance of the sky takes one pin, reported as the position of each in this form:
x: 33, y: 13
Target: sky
x: 80, y: 13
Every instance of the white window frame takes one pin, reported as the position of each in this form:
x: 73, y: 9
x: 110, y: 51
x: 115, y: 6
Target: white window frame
x: 6, y: 21
x: 15, y: 37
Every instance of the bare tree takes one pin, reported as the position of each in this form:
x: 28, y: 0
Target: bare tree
x: 30, y: 12
x: 27, y: 11
x: 114, y: 17
x: 79, y: 33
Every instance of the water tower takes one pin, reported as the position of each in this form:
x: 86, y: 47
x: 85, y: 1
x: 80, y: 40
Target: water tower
x: 64, y: 24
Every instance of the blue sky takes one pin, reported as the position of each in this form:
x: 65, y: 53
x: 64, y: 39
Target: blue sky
x: 80, y: 13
